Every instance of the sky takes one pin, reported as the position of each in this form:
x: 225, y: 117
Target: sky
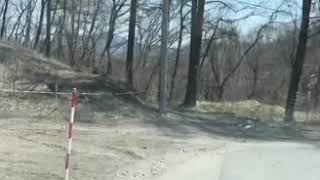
x: 263, y: 9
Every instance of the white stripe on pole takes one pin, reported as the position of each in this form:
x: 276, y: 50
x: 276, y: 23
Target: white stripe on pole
x: 67, y: 174
x: 73, y: 102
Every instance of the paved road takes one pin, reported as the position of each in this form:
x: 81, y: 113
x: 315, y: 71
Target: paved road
x: 260, y: 161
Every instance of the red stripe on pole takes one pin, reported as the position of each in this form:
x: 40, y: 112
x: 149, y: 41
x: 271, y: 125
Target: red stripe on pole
x: 70, y: 130
x: 67, y: 161
x: 73, y: 97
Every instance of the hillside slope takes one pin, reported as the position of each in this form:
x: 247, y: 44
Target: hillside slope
x: 25, y: 70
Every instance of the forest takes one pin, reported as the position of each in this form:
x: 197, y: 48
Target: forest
x: 181, y: 52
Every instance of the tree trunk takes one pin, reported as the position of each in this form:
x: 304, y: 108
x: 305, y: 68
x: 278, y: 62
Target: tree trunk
x: 92, y: 26
x: 16, y: 34
x: 109, y: 65
x: 48, y: 36
x: 54, y: 13
x: 29, y: 21
x: 195, y: 47
x: 4, y: 18
x: 298, y: 62
x: 37, y: 38
x: 206, y: 52
x: 219, y: 92
x: 22, y: 33
x: 150, y: 79
x: 61, y: 28
x: 254, y: 83
x: 93, y: 60
x: 2, y: 9
x: 163, y: 76
x: 175, y: 70
x: 131, y: 38
x: 71, y: 38
x: 112, y: 21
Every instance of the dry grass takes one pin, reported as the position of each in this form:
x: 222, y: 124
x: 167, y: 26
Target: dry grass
x: 254, y: 109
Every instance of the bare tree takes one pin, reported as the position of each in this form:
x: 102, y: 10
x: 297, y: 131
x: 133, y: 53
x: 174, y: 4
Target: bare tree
x: 4, y: 19
x: 48, y: 30
x: 222, y: 78
x: 197, y: 12
x: 116, y: 7
x: 175, y: 70
x: 39, y: 29
x: 17, y: 23
x: 254, y: 67
x: 298, y: 62
x: 148, y: 27
x: 61, y: 29
x: 96, y: 9
x: 131, y: 38
x: 71, y: 37
x: 30, y: 7
x: 54, y: 10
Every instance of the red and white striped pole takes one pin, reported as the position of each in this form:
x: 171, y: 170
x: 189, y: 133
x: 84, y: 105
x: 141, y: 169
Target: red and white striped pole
x: 73, y: 101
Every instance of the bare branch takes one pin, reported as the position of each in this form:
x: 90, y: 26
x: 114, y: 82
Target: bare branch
x: 242, y: 58
x: 229, y: 6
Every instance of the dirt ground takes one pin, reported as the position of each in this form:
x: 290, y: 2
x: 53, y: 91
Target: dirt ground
x: 35, y: 150
x: 119, y: 140
x: 115, y: 144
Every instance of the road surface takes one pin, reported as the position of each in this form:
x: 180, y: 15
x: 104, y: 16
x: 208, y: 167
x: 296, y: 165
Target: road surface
x: 252, y: 161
